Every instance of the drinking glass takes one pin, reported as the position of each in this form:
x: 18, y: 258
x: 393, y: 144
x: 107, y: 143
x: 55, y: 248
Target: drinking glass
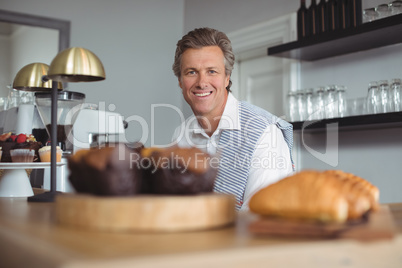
x: 319, y: 103
x: 385, y: 96
x: 341, y: 98
x: 3, y: 103
x: 373, y: 98
x: 292, y: 106
x: 383, y: 11
x: 356, y: 106
x: 27, y: 97
x: 13, y: 98
x: 396, y: 7
x: 396, y: 94
x: 301, y: 107
x: 331, y: 110
x: 309, y: 104
x: 370, y: 14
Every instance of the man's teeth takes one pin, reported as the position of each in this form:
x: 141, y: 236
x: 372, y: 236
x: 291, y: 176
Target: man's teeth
x: 203, y: 94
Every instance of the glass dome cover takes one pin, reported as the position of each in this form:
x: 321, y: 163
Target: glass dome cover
x: 68, y: 106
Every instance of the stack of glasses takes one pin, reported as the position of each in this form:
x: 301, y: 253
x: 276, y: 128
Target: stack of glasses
x: 325, y: 102
x: 382, y: 11
x: 330, y: 101
x: 383, y: 97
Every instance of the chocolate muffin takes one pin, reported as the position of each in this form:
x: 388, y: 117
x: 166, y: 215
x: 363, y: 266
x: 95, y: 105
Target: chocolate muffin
x: 178, y: 171
x: 121, y: 170
x: 107, y: 171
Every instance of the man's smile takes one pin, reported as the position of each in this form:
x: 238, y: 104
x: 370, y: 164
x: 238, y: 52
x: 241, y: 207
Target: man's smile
x: 204, y: 94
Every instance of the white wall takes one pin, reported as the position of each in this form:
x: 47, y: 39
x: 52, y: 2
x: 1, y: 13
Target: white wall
x: 231, y: 15
x: 136, y: 41
x: 29, y: 45
x: 4, y: 69
x: 373, y: 154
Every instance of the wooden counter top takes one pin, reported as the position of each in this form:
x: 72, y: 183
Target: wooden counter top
x: 29, y: 237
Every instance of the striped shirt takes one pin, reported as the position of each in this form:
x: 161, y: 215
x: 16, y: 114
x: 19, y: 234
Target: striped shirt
x: 253, y: 145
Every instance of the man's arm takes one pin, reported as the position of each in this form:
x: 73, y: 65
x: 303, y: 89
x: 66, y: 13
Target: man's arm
x: 270, y: 162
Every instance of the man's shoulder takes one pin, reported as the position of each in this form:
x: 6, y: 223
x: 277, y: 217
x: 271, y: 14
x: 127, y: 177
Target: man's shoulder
x: 256, y: 111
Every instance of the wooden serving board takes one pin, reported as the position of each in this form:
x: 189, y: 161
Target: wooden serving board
x: 150, y: 213
x: 378, y: 225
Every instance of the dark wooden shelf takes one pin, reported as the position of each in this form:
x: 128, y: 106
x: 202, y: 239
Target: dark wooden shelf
x: 375, y: 34
x: 360, y: 122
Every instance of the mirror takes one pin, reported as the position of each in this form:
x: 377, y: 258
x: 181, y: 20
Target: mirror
x: 26, y: 39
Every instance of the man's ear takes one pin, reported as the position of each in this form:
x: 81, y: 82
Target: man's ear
x: 227, y: 81
x: 179, y: 82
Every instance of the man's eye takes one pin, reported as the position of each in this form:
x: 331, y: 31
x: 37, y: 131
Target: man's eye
x: 212, y: 71
x: 191, y: 72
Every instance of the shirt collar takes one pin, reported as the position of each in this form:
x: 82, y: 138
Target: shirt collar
x: 230, y: 117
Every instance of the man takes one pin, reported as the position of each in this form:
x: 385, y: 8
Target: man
x: 254, y: 146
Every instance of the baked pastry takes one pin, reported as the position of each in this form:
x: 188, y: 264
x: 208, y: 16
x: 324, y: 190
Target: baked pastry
x: 110, y: 171
x: 22, y: 155
x: 312, y: 195
x: 10, y: 141
x: 120, y: 170
x: 45, y: 153
x: 361, y: 194
x: 176, y: 170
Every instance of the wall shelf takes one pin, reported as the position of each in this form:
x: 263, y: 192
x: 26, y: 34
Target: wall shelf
x: 371, y: 121
x: 375, y: 34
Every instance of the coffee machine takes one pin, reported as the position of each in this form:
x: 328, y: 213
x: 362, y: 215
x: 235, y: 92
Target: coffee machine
x: 96, y: 127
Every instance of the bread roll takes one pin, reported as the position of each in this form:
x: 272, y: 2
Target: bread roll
x: 361, y: 194
x: 330, y: 196
x: 371, y: 190
x: 305, y: 195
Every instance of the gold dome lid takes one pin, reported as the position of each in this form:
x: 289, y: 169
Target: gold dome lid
x: 76, y: 64
x: 29, y: 78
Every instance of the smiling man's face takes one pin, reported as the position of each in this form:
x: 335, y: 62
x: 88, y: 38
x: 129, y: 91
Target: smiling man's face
x: 203, y: 81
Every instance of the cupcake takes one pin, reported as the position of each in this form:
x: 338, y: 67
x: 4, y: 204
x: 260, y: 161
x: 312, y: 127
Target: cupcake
x: 44, y: 154
x: 22, y: 155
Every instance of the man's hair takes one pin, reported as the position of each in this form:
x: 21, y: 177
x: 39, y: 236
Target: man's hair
x: 203, y: 37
